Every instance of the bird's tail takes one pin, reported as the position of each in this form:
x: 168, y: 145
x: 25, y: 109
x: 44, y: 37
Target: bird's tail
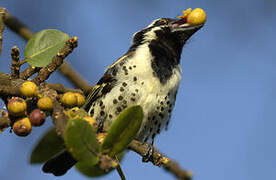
x: 59, y: 164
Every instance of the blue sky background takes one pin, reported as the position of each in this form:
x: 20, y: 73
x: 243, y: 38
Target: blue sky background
x: 223, y: 125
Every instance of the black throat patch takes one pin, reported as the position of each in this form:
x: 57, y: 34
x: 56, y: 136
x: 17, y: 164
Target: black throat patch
x: 166, y: 51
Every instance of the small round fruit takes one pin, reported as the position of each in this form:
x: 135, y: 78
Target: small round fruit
x: 28, y: 88
x: 197, y: 16
x: 90, y: 120
x: 80, y: 99
x: 45, y: 103
x: 69, y: 99
x: 37, y: 117
x: 17, y: 106
x: 22, y: 127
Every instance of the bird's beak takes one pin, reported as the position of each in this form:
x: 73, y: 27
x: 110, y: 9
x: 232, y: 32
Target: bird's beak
x: 184, y: 29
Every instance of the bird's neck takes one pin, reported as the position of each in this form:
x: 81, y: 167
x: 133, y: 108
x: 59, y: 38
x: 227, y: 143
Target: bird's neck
x: 163, y: 58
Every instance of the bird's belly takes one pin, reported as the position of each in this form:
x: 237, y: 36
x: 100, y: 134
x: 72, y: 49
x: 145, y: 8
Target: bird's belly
x: 144, y: 89
x: 157, y: 105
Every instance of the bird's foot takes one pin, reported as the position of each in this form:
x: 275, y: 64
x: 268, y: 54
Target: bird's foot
x: 149, y: 155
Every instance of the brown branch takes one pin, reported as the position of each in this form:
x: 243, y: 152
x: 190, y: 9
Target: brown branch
x: 61, y: 89
x: 5, y: 122
x: 15, y: 25
x: 9, y: 87
x: 160, y: 160
x: 29, y: 72
x: 2, y: 17
x: 45, y: 72
x: 18, y: 27
x: 15, y: 64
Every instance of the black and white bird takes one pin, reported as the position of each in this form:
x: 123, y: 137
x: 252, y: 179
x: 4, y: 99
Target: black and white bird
x: 147, y: 75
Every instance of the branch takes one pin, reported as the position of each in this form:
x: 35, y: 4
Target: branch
x: 15, y: 25
x: 15, y: 65
x: 2, y: 17
x: 5, y: 122
x: 61, y: 89
x: 9, y: 87
x: 45, y: 72
x: 160, y: 160
x: 29, y: 72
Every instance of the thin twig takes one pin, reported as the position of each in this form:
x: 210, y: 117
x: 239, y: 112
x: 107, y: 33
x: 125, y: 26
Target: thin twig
x: 22, y: 62
x: 2, y: 26
x: 15, y: 65
x: 29, y: 72
x: 45, y: 72
x: 161, y: 160
x: 119, y: 170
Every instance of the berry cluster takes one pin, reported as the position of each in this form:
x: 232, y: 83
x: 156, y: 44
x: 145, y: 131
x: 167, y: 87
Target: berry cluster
x: 24, y: 115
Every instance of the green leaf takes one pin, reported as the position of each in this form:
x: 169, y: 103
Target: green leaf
x: 93, y: 171
x: 48, y: 146
x: 43, y: 46
x: 81, y: 142
x: 123, y: 130
x: 90, y: 171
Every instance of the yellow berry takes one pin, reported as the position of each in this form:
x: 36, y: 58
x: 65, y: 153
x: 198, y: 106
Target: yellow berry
x: 45, y: 103
x: 28, y: 88
x: 22, y: 127
x: 17, y: 106
x: 69, y: 99
x: 80, y: 99
x: 90, y: 120
x: 197, y: 16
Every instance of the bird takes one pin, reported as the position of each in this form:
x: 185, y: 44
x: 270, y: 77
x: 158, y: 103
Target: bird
x: 148, y: 74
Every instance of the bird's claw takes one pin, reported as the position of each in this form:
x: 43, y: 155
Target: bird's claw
x: 149, y: 155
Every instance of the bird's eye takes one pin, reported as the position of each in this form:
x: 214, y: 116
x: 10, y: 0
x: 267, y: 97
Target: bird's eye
x: 163, y: 21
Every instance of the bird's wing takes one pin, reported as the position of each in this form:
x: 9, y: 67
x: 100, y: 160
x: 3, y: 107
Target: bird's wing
x: 105, y: 84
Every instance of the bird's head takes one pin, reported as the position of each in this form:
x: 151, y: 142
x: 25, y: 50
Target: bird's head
x: 172, y: 33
